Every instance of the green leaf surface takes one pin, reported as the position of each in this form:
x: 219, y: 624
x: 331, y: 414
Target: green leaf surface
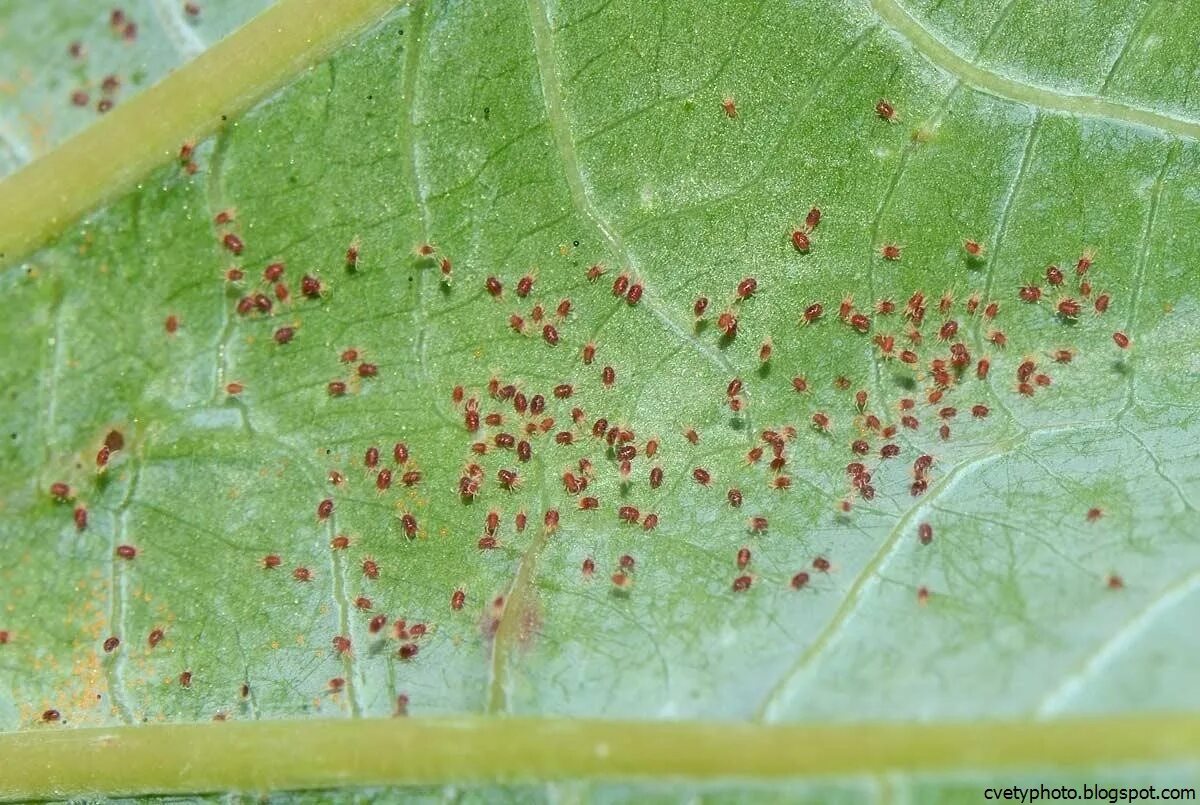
x: 541, y: 139
x: 52, y: 49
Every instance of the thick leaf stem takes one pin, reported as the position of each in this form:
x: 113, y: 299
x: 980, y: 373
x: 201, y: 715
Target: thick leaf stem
x: 308, y: 754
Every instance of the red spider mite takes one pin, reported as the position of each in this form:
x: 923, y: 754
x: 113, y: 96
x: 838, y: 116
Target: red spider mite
x: 910, y: 422
x: 620, y: 285
x: 1121, y: 340
x: 1054, y: 275
x: 885, y: 111
x: 1085, y: 289
x: 409, y: 524
x: 487, y: 543
x: 336, y: 388
x: 589, y: 354
x: 111, y: 643
x: 271, y: 561
x: 821, y: 421
x: 339, y: 543
x: 656, y: 477
x: 742, y: 583
x: 727, y: 323
x: 400, y: 453
x: 336, y: 684
x: 234, y: 274
x: 408, y: 651
x: 1025, y: 389
x: 764, y: 351
x: 973, y: 248
x: 972, y: 303
x: 860, y: 322
x: 104, y: 105
x: 701, y: 476
x: 651, y: 448
x: 1069, y: 308
x: 782, y: 482
x: 1094, y: 514
x: 746, y: 288
x: 550, y: 520
x: 233, y: 243
x: 812, y: 219
x: 1101, y: 303
x: 846, y: 308
x: 1115, y: 582
x: 699, y: 306
x: 595, y: 272
x: 946, y: 302
x: 588, y: 567
x: 948, y: 330
x: 102, y: 456
x: 980, y: 411
x: 889, y: 451
x: 376, y: 624
x: 324, y: 509
x: 411, y: 478
x: 110, y: 84
x: 635, y: 293
x: 80, y: 98
x: 925, y: 533
x: 729, y: 107
x: 743, y: 558
x: 550, y: 334
x: 821, y: 564
x: 589, y: 504
x: 813, y: 312
x: 922, y: 595
x: 126, y: 551
x: 991, y: 310
x: 1026, y: 369
x: 756, y: 524
x: 627, y: 452
x: 493, y: 286
x: 81, y: 518
x: 860, y: 399
x: 524, y: 451
x: 471, y: 420
x: 889, y: 251
x: 998, y: 338
x: 302, y: 574
x: 800, y: 384
x: 273, y: 272
x: 341, y: 644
x: 886, y: 344
x: 650, y: 522
x: 282, y: 293
x: 445, y: 267
x: 371, y: 457
x: 1029, y: 293
x: 1085, y: 262
x: 509, y: 479
x: 608, y: 376
x: 171, y: 325
x: 185, y: 679
x: 504, y: 441
x: 457, y: 599
x: 871, y: 422
x: 860, y: 447
x: 564, y: 437
x: 524, y: 285
x: 564, y: 308
x: 1042, y: 379
x: 155, y: 637
x: 621, y: 581
x: 336, y: 478
x: 692, y: 436
x: 517, y: 324
x: 600, y: 427
x: 491, y: 522
x: 754, y: 455
x: 310, y: 286
x: 367, y: 370
x: 628, y: 514
x: 363, y: 603
x: 799, y: 580
x: 49, y: 716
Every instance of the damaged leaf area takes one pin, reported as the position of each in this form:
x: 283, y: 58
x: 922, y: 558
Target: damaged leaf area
x: 599, y: 360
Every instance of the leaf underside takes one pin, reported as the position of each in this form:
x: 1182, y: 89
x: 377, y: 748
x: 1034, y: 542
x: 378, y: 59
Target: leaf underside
x: 682, y: 151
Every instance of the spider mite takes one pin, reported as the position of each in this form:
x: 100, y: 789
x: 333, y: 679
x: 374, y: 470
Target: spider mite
x: 310, y: 286
x: 764, y: 351
x: 550, y: 334
x: 635, y: 294
x: 742, y: 583
x: 1029, y: 293
x: 81, y: 517
x: 550, y: 520
x: 812, y: 219
x: 363, y: 603
x: 889, y: 251
x: 998, y: 338
x: 701, y: 476
x: 800, y: 241
x: 111, y: 643
x: 727, y: 323
x: 813, y: 312
x: 525, y: 285
x: 155, y: 637
x: 973, y: 248
x: 408, y: 651
x: 743, y: 558
x: 1054, y: 275
x: 126, y: 552
x: 324, y: 509
x: 656, y: 477
x: 650, y: 522
x: 336, y: 388
x: 821, y: 421
x: 341, y: 644
x: 1085, y: 262
x: 409, y: 524
x: 608, y: 376
x: 729, y: 107
x: 1094, y: 514
x: 746, y: 288
x: 756, y: 524
x: 885, y: 111
x: 367, y: 370
x: 50, y: 716
x: 800, y: 384
x: 691, y: 435
x: 980, y: 411
x: 620, y: 284
x: 1115, y: 582
x: 1121, y: 340
x: 1101, y: 303
x: 1069, y: 308
x: 271, y: 561
x: 925, y: 533
x: 922, y: 595
x: 171, y: 324
x: 233, y: 243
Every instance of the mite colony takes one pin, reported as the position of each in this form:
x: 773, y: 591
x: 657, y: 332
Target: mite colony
x: 505, y: 424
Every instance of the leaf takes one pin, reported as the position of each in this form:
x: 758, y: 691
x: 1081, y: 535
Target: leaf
x: 542, y: 140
